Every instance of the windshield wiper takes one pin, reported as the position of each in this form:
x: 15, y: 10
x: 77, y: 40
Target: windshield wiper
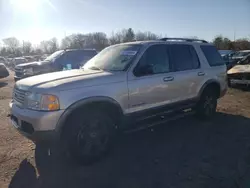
x: 94, y: 68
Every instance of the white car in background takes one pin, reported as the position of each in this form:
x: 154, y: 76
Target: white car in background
x: 19, y: 60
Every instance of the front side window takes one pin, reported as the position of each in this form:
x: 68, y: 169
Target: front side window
x: 71, y: 59
x: 114, y: 58
x: 184, y: 57
x: 155, y: 60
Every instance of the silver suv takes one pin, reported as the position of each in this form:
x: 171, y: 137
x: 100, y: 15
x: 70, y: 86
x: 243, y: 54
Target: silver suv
x: 125, y: 87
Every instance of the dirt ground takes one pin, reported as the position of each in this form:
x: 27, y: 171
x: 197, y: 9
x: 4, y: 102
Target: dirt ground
x: 183, y: 153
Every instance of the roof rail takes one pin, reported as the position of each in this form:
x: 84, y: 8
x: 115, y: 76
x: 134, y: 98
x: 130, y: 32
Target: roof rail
x: 184, y: 39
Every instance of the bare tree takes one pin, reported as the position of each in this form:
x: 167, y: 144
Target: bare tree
x: 26, y: 48
x: 66, y: 42
x: 142, y: 36
x: 115, y: 38
x: 96, y: 40
x: 74, y: 41
x: 222, y: 43
x: 12, y: 43
x: 44, y: 45
x: 128, y: 35
x: 53, y: 45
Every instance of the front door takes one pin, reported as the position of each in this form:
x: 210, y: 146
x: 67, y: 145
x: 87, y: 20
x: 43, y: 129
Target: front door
x: 151, y: 84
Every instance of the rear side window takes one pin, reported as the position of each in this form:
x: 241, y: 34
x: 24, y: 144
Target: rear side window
x: 212, y: 55
x: 184, y: 57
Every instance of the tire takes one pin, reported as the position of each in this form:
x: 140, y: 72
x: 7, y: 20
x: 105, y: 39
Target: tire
x: 206, y: 107
x: 90, y: 137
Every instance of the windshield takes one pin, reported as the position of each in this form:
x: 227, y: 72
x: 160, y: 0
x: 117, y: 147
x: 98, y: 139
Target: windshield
x: 113, y: 58
x: 54, y: 55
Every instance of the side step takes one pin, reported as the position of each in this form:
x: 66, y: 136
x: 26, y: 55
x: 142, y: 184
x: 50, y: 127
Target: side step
x: 157, y: 120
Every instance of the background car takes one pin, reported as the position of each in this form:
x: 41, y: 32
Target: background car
x: 19, y: 60
x: 227, y: 57
x: 240, y: 74
x: 240, y: 54
x: 3, y: 71
x: 3, y: 60
x: 58, y: 61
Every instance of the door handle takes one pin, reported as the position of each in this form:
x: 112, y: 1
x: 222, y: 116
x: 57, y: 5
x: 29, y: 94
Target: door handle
x: 201, y: 73
x: 168, y: 79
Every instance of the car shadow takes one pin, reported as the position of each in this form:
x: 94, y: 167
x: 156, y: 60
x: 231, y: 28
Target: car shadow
x: 183, y: 153
x: 3, y: 84
x: 25, y: 176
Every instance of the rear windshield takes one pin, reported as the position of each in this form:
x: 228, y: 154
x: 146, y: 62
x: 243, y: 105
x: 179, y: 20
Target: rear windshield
x: 212, y: 55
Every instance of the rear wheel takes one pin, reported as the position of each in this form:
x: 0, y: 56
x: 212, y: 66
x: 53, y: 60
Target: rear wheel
x: 207, y: 105
x: 90, y: 136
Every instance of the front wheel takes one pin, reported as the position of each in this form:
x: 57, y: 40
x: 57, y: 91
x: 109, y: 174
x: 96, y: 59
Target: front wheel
x: 207, y: 105
x: 90, y: 137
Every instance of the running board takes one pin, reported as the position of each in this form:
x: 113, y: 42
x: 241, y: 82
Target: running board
x: 161, y: 120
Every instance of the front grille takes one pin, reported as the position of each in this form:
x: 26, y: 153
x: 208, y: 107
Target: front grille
x: 18, y: 96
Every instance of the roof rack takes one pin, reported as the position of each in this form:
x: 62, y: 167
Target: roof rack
x: 183, y: 39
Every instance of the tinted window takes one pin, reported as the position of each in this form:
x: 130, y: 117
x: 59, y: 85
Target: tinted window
x: 212, y: 55
x: 77, y: 58
x: 154, y: 61
x: 184, y: 57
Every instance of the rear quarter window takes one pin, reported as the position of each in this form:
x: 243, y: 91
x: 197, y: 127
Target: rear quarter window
x: 212, y: 55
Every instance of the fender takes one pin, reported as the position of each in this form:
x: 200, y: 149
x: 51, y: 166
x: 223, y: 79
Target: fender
x: 83, y: 102
x: 212, y: 81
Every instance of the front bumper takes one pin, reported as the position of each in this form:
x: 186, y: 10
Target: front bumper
x: 35, y: 125
x: 241, y: 82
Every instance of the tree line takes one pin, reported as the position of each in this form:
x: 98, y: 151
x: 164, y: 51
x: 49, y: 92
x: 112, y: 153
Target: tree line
x: 98, y: 40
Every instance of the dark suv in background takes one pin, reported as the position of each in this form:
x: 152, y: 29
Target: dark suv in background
x: 58, y: 61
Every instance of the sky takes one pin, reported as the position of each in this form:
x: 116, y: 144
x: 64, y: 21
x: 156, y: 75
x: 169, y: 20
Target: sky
x: 37, y: 20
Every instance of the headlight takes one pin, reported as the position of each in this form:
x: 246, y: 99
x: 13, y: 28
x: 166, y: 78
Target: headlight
x: 49, y: 103
x: 42, y: 102
x: 28, y: 71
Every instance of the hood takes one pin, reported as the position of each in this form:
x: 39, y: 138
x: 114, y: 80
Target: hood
x: 32, y: 64
x: 70, y: 79
x: 239, y: 69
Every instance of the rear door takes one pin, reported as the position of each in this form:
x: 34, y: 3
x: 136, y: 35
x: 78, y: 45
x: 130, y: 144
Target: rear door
x: 188, y: 73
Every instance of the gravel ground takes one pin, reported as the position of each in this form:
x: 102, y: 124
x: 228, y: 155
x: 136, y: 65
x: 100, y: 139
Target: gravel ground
x: 182, y: 153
